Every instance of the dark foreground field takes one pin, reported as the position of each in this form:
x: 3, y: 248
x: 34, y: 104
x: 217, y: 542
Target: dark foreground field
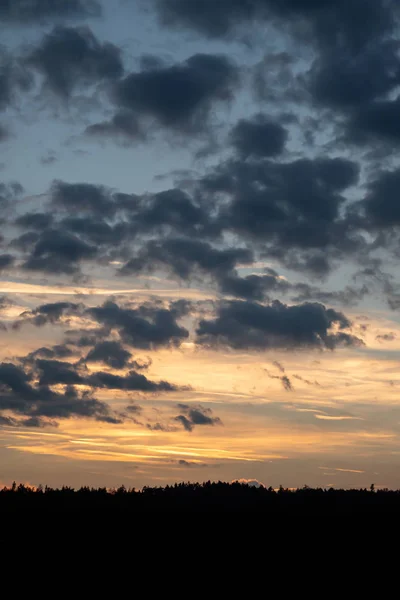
x: 202, y: 497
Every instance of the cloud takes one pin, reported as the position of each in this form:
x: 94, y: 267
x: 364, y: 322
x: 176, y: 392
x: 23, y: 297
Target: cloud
x: 160, y: 427
x: 184, y: 256
x: 131, y: 382
x: 112, y: 354
x: 253, y: 287
x: 37, y: 11
x: 196, y: 415
x: 58, y: 251
x: 20, y: 396
x: 191, y: 464
x: 386, y: 337
x: 329, y: 21
x: 180, y: 96
x: 10, y: 192
x: 35, y: 422
x: 4, y: 133
x: 377, y: 121
x: 68, y: 57
x: 14, y: 78
x: 55, y: 372
x: 307, y: 381
x: 82, y: 198
x: 258, y: 137
x: 284, y: 379
x: 291, y: 209
x: 57, y: 351
x: 353, y: 42
x: 146, y: 326
x: 49, y: 313
x: 123, y: 124
x: 6, y: 261
x: 278, y: 365
x: 37, y: 221
x: 28, y: 388
x: 250, y: 325
x: 251, y: 482
x: 340, y: 81
x: 168, y: 211
x: 347, y: 297
x: 143, y: 327
x: 381, y: 203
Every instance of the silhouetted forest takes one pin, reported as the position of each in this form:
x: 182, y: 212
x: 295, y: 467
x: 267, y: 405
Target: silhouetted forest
x: 207, y: 496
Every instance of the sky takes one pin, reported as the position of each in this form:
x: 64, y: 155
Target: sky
x: 200, y: 233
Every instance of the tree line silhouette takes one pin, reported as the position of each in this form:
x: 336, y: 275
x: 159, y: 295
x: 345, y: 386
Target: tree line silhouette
x: 200, y: 497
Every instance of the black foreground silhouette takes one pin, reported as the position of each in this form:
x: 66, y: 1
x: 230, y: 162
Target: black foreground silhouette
x: 206, y: 496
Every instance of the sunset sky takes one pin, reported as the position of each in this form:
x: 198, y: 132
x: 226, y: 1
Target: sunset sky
x: 200, y: 239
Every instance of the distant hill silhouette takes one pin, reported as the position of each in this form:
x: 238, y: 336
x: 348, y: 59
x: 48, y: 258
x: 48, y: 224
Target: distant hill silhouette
x: 207, y: 496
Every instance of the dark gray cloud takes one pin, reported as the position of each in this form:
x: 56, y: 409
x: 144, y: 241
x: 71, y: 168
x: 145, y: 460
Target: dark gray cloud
x: 27, y: 388
x: 191, y: 416
x: 355, y: 44
x: 6, y: 261
x: 375, y: 122
x: 83, y: 221
x: 307, y: 381
x: 169, y: 211
x: 57, y: 351
x: 112, y: 354
x: 19, y: 395
x: 386, y: 337
x: 144, y: 327
x: 56, y: 372
x: 278, y: 365
x: 178, y: 96
x: 124, y: 125
x: 258, y: 137
x: 287, y: 384
x: 267, y: 194
x: 353, y: 22
x: 58, y: 251
x: 71, y: 403
x: 255, y: 326
x: 14, y: 78
x: 26, y: 241
x: 83, y: 338
x: 254, y: 287
x: 5, y: 302
x: 82, y: 198
x: 133, y: 381
x: 38, y: 11
x: 35, y: 422
x: 4, y: 133
x: 96, y: 231
x: 161, y: 427
x: 9, y: 192
x: 184, y: 256
x: 134, y: 408
x: 49, y: 313
x: 381, y: 204
x: 346, y: 82
x: 349, y: 296
x: 37, y: 221
x: 291, y: 210
x: 68, y: 57
x: 284, y: 379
